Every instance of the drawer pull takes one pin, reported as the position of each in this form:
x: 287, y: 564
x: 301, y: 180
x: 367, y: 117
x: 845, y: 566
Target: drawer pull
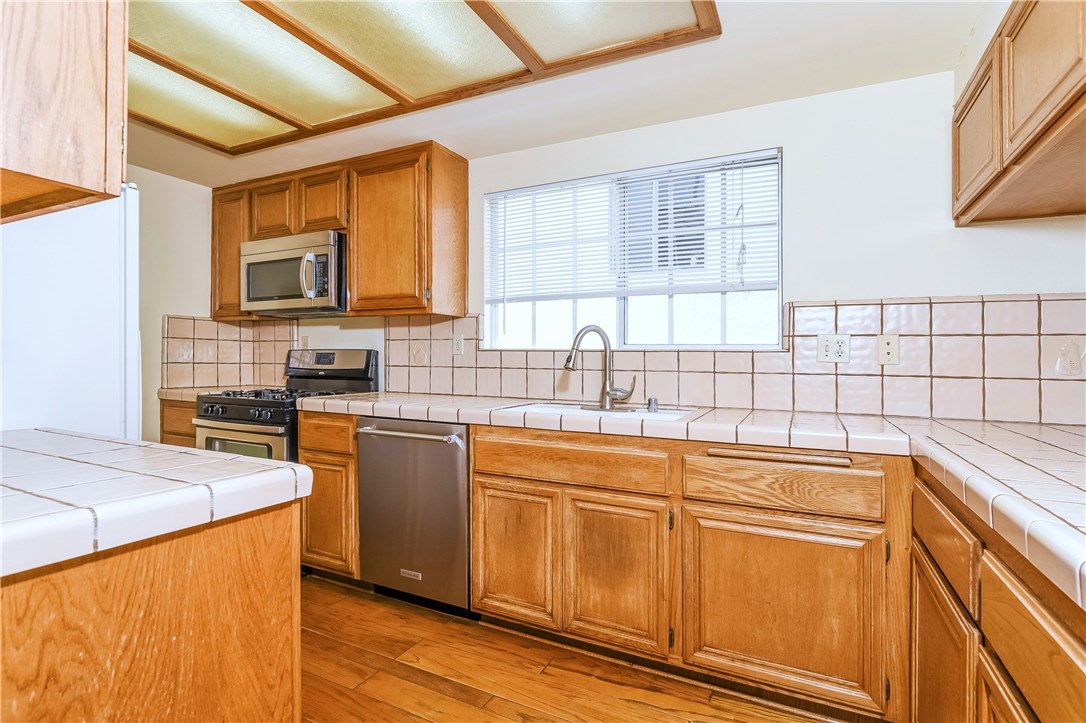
x: 823, y: 459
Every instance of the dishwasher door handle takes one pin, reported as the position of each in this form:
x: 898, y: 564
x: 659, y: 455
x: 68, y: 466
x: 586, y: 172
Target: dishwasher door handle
x: 446, y: 439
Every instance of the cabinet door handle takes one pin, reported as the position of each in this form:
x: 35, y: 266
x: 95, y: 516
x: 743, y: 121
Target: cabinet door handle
x: 822, y: 459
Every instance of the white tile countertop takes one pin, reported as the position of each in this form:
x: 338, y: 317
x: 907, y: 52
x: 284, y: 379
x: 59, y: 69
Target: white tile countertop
x: 1028, y: 481
x: 68, y: 494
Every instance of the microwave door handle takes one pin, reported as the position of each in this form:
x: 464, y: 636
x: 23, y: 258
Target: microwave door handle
x: 308, y: 260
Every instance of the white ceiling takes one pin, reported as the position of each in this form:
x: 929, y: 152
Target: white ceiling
x: 769, y: 51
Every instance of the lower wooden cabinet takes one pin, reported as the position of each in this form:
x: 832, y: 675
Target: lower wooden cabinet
x: 516, y: 551
x: 945, y: 648
x: 330, y: 513
x: 616, y: 562
x: 998, y: 701
x: 788, y: 601
x: 175, y: 422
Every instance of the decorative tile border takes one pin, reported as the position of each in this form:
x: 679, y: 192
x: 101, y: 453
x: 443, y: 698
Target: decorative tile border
x: 198, y: 352
x: 991, y: 357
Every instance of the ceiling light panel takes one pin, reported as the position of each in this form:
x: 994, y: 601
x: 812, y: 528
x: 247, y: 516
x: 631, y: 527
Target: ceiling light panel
x: 172, y: 99
x: 421, y: 47
x: 230, y: 43
x: 559, y: 30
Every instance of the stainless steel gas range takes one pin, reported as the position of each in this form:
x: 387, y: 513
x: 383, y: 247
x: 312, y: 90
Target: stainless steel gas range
x: 264, y: 422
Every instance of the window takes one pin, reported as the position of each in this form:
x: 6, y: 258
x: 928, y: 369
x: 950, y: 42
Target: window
x: 680, y: 255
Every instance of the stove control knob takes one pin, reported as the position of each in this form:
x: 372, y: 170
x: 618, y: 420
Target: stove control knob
x: 265, y: 414
x: 254, y: 413
x: 220, y: 410
x: 206, y: 409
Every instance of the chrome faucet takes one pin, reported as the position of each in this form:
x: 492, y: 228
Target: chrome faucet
x: 608, y: 394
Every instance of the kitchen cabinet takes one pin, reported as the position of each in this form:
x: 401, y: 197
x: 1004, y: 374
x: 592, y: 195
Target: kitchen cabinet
x: 945, y: 648
x: 1019, y: 128
x: 405, y: 215
x: 998, y: 701
x: 62, y: 122
x: 229, y: 229
x: 326, y: 443
x: 737, y: 562
x: 175, y: 420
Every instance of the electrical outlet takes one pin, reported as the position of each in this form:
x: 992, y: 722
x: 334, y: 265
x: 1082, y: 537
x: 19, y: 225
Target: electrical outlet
x: 458, y: 344
x: 305, y: 342
x: 887, y: 347
x: 833, y: 348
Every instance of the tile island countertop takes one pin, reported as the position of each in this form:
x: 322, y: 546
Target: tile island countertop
x: 67, y: 494
x: 1027, y: 481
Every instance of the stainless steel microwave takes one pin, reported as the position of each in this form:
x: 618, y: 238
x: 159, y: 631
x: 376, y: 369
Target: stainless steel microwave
x: 299, y: 275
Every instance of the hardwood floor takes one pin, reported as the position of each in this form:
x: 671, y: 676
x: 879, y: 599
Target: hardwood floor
x: 369, y: 658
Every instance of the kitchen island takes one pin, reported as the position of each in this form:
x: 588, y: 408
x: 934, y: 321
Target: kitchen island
x: 147, y: 582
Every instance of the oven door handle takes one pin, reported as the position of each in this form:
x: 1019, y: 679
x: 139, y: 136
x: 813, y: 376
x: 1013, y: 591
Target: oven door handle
x: 238, y: 426
x: 308, y: 260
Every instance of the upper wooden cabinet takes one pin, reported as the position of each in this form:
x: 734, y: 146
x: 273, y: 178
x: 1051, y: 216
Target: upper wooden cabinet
x: 405, y: 215
x: 1019, y: 128
x: 229, y: 228
x: 62, y: 119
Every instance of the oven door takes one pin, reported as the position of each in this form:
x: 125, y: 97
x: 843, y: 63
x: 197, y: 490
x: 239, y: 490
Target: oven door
x: 264, y: 441
x: 279, y: 277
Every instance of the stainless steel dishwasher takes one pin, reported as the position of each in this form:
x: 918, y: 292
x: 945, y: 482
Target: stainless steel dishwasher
x: 413, y: 507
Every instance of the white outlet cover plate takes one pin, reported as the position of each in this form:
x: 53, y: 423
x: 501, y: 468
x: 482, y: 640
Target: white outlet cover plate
x: 887, y: 348
x: 833, y: 348
x: 458, y: 344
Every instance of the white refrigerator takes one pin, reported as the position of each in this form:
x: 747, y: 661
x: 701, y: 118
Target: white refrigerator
x: 70, y: 355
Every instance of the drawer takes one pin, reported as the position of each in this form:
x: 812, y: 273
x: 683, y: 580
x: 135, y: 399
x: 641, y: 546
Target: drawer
x: 953, y: 547
x: 178, y: 440
x: 177, y: 417
x: 327, y: 432
x: 1047, y: 663
x: 819, y: 484
x: 579, y: 464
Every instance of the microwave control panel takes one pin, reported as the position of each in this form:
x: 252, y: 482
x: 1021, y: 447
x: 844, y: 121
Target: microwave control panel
x: 320, y: 275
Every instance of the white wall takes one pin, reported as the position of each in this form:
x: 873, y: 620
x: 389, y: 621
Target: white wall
x: 175, y: 268
x: 866, y: 204
x: 989, y: 16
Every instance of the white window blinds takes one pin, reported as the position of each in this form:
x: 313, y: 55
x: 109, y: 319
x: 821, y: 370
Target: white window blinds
x: 705, y: 227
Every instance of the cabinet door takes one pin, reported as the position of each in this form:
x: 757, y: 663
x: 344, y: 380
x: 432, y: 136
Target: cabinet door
x: 229, y: 229
x: 616, y: 563
x: 1044, y: 71
x: 330, y: 513
x: 516, y: 551
x: 387, y: 252
x: 65, y: 91
x: 976, y: 131
x: 788, y: 601
x: 322, y: 201
x: 272, y: 210
x: 998, y: 701
x: 945, y: 644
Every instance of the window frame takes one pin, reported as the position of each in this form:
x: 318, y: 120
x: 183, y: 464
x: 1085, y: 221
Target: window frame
x: 622, y: 301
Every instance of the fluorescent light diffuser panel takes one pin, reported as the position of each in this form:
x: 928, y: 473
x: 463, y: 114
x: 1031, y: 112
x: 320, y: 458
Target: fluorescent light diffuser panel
x: 175, y: 100
x: 559, y: 30
x: 234, y: 45
x: 421, y: 47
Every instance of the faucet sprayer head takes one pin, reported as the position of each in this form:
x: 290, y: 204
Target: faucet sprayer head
x: 571, y: 361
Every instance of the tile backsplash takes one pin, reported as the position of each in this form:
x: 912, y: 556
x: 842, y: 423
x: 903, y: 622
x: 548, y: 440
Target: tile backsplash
x: 992, y: 357
x: 206, y: 353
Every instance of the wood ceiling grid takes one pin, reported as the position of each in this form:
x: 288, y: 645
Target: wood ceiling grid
x: 708, y: 25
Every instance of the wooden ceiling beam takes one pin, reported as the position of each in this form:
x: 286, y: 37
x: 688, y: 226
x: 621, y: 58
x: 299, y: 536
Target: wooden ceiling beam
x: 706, y: 13
x: 500, y: 26
x: 149, y: 121
x: 158, y: 58
x: 324, y: 47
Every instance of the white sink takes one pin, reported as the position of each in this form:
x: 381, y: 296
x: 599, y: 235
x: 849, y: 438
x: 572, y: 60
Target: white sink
x: 664, y: 414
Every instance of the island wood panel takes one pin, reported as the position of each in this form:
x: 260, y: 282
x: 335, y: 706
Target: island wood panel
x: 617, y: 552
x: 954, y: 548
x: 977, y: 130
x: 202, y: 624
x: 516, y: 562
x: 272, y: 209
x: 229, y: 230
x: 330, y: 513
x: 1046, y: 662
x: 855, y: 494
x: 596, y: 465
x: 998, y: 701
x: 322, y: 201
x: 945, y: 646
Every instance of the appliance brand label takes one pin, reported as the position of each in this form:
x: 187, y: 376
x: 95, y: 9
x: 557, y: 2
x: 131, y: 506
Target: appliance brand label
x: 411, y: 574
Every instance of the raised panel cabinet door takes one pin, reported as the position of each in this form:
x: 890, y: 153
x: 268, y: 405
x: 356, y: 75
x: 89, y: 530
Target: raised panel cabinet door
x: 976, y: 130
x: 945, y: 643
x: 793, y: 602
x: 272, y: 208
x: 1044, y: 68
x: 388, y: 266
x: 330, y: 513
x: 229, y: 229
x: 616, y: 569
x: 998, y: 701
x: 516, y: 551
x: 322, y: 201
x: 65, y: 103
